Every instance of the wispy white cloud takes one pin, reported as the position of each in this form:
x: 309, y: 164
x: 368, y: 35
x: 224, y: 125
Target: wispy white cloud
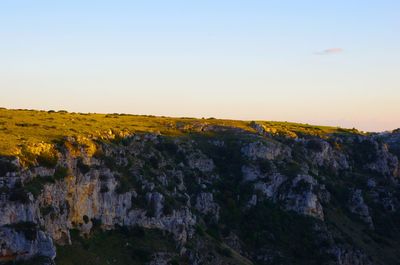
x: 330, y: 51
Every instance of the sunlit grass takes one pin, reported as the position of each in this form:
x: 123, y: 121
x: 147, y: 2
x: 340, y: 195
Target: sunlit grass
x: 22, y: 127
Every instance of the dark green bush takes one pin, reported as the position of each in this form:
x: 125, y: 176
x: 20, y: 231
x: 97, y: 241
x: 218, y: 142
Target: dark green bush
x: 141, y: 254
x: 83, y: 168
x: 173, y: 262
x: 104, y: 188
x: 6, y: 166
x: 291, y: 168
x: 314, y: 145
x: 265, y: 166
x: 267, y: 226
x: 85, y: 219
x: 224, y: 251
x: 137, y: 231
x: 29, y: 229
x: 110, y: 162
x: 167, y: 146
x: 46, y: 210
x: 47, y: 159
x: 125, y: 184
x: 19, y: 195
x: 153, y: 162
x: 302, y: 186
x: 25, y: 124
x: 103, y: 177
x: 35, y: 186
x: 364, y: 151
x: 61, y: 173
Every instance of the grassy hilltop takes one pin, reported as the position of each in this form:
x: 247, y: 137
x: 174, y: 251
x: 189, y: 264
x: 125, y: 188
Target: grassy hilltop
x: 19, y: 128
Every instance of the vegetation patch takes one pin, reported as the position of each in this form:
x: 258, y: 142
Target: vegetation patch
x: 6, y: 166
x: 267, y: 226
x: 30, y: 126
x: 35, y: 186
x: 29, y: 229
x: 123, y: 246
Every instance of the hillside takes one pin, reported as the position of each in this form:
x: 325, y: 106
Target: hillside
x: 23, y: 127
x: 126, y: 189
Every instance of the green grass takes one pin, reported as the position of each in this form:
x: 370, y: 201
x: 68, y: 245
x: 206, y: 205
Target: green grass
x: 292, y: 129
x: 134, y: 246
x: 19, y: 128
x: 122, y: 246
x: 268, y: 226
x: 382, y: 249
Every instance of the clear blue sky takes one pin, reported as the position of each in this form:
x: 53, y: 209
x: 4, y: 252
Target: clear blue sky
x: 324, y: 62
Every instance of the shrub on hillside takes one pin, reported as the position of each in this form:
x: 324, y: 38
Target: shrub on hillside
x: 61, y: 173
x: 83, y: 168
x: 29, y: 229
x: 6, y: 166
x: 47, y: 159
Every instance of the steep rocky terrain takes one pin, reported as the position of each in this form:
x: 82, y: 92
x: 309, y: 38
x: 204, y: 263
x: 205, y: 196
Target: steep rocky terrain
x: 211, y: 194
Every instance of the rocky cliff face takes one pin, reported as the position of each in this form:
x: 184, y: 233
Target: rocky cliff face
x: 226, y: 196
